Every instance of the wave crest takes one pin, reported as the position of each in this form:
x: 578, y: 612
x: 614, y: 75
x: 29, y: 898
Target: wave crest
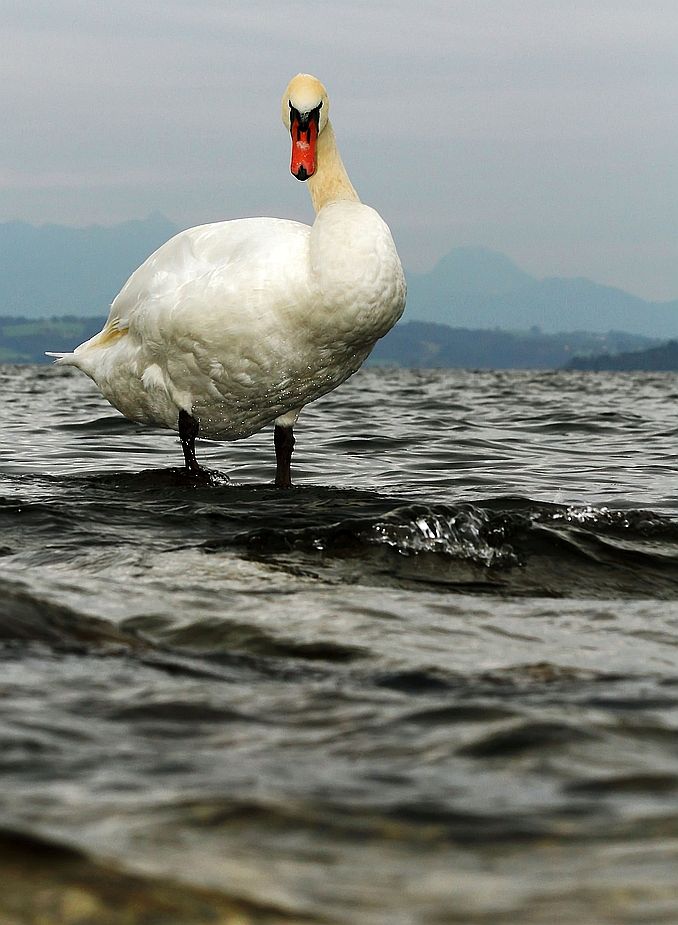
x: 462, y: 533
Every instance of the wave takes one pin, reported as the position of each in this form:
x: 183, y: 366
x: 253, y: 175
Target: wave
x: 510, y: 546
x: 506, y: 546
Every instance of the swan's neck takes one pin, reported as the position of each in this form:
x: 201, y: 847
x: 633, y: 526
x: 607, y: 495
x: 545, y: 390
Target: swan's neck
x: 330, y: 181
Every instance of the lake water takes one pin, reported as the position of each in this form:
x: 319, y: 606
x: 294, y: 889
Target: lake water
x: 436, y: 682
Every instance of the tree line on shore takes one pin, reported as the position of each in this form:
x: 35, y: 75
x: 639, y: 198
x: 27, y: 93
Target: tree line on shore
x: 412, y: 344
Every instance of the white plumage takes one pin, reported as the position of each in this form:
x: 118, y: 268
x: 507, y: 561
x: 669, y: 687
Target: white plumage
x: 241, y: 323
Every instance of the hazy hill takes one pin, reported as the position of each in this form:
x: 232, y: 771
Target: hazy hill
x: 466, y: 271
x: 54, y: 270
x: 663, y: 358
x: 480, y: 288
x: 459, y: 314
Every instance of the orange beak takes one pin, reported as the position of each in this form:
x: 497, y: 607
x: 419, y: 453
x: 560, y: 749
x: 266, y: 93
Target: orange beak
x: 304, y: 131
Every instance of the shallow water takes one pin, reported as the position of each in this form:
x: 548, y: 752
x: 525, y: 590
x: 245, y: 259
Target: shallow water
x: 435, y: 682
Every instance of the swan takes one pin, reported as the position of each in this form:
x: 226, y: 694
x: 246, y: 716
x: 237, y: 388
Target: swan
x: 230, y: 326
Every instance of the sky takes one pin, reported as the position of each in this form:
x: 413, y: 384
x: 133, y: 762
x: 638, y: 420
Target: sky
x: 545, y: 129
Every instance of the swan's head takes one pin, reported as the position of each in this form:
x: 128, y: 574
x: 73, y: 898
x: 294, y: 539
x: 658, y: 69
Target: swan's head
x: 304, y: 111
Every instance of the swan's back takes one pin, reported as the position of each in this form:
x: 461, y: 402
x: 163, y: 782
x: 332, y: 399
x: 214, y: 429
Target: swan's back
x: 218, y: 281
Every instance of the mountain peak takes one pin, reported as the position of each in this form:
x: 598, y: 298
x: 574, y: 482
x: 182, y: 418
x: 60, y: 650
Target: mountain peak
x: 479, y: 270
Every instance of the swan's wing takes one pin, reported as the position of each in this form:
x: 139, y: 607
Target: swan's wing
x: 219, y: 282
x: 238, y: 265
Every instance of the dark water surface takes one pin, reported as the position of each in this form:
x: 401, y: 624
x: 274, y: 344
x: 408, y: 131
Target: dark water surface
x: 437, y: 682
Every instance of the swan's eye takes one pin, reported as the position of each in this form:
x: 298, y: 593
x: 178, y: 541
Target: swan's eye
x: 303, y: 119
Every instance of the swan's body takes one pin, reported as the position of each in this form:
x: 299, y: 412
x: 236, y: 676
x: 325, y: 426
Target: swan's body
x: 237, y: 324
x: 229, y: 321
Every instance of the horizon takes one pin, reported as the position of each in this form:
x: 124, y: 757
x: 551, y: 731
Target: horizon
x: 540, y: 132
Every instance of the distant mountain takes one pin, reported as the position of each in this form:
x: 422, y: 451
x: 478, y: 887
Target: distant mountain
x: 54, y: 270
x: 471, y: 271
x: 473, y: 309
x: 663, y: 358
x: 424, y: 345
x: 480, y: 288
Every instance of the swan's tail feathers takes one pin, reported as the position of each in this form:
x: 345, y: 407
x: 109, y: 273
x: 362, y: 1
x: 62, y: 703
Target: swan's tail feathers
x: 62, y: 359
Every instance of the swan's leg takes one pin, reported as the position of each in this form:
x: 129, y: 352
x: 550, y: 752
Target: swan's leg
x: 283, y: 440
x: 188, y: 431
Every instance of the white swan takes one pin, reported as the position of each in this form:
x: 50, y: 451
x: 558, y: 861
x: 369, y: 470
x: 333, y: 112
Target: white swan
x: 230, y: 326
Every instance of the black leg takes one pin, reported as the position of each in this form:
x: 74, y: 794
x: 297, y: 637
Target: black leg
x: 188, y: 431
x: 283, y: 440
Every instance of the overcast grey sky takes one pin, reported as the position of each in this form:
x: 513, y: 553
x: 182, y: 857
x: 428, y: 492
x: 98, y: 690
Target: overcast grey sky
x: 547, y: 129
